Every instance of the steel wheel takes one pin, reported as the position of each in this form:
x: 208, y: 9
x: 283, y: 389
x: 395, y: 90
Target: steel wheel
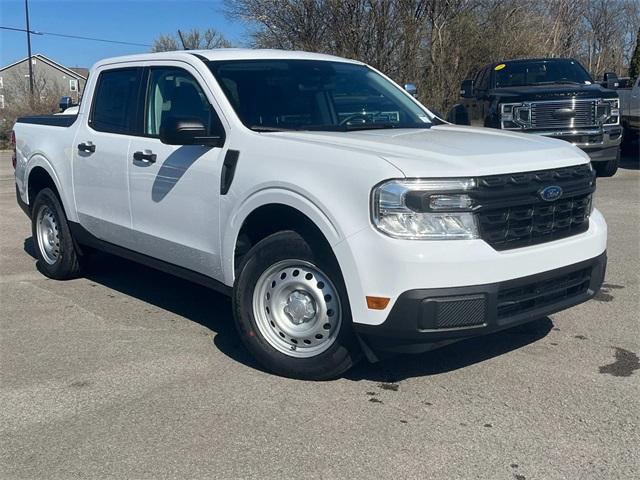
x: 48, y: 235
x: 297, y: 308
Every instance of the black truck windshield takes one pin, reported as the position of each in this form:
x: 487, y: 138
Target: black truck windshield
x: 540, y: 72
x: 274, y: 95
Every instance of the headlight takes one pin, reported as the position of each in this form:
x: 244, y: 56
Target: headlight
x: 515, y: 115
x: 425, y: 209
x: 608, y: 111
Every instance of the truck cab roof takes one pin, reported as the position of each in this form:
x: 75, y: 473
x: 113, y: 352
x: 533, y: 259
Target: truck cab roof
x: 226, y: 54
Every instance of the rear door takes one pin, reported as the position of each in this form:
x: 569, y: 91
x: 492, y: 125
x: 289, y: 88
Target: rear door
x: 175, y: 190
x: 100, y: 153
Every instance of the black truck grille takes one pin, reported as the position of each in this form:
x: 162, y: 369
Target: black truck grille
x: 543, y: 114
x: 512, y: 213
x: 516, y: 300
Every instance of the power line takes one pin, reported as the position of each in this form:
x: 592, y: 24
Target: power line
x: 20, y: 30
x: 77, y: 37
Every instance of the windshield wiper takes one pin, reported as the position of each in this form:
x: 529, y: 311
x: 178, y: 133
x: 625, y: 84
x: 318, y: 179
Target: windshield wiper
x: 335, y: 128
x: 560, y: 82
x: 380, y: 126
x: 263, y: 128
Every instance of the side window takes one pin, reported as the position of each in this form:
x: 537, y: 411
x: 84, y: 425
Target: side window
x: 173, y: 92
x: 483, y: 80
x: 115, y: 101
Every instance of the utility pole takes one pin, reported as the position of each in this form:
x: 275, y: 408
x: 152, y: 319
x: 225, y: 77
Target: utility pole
x: 26, y: 11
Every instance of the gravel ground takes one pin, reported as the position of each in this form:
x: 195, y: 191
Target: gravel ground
x: 131, y: 373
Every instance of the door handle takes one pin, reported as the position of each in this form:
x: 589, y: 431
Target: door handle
x: 145, y: 157
x: 87, y: 147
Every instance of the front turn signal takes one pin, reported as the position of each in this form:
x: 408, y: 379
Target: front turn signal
x: 377, y: 303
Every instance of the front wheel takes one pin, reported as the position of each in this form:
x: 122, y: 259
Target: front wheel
x: 608, y: 168
x: 292, y: 311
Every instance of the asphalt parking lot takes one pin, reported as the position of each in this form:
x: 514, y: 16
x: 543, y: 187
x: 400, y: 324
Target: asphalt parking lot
x: 131, y: 373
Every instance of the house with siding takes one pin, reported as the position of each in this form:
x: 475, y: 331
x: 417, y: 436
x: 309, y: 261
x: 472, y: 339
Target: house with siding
x: 49, y: 78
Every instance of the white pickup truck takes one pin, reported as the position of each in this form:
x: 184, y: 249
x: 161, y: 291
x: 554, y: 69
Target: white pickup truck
x: 630, y: 110
x: 340, y: 214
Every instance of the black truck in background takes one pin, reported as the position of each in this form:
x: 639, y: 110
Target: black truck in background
x: 554, y: 97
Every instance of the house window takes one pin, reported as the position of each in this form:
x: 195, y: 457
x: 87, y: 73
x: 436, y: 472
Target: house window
x: 1, y: 83
x: 73, y: 85
x: 1, y: 101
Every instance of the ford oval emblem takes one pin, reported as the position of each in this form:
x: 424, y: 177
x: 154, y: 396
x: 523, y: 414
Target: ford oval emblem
x: 551, y: 193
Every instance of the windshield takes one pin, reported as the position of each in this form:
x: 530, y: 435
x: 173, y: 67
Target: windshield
x: 542, y: 72
x: 273, y: 95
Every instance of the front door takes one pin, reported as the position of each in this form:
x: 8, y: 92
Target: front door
x: 100, y: 151
x: 174, y: 190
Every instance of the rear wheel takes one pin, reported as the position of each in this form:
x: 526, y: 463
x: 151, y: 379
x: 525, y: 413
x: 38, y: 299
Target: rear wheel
x: 292, y: 311
x: 56, y: 253
x: 608, y: 168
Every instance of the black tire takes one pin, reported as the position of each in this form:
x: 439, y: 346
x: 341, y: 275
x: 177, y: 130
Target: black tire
x: 608, y: 168
x: 279, y: 247
x: 67, y: 262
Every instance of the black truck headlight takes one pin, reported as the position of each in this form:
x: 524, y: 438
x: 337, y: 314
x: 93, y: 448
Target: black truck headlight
x: 422, y: 209
x: 515, y: 115
x: 608, y: 111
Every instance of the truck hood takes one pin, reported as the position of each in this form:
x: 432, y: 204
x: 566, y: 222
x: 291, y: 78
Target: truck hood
x: 451, y: 150
x: 530, y: 93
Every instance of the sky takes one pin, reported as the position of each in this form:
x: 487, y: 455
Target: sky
x: 136, y: 21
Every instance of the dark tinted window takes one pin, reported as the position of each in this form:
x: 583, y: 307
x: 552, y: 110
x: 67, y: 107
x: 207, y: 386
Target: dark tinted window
x: 115, y: 101
x: 483, y: 80
x: 540, y: 72
x: 314, y: 95
x: 173, y: 92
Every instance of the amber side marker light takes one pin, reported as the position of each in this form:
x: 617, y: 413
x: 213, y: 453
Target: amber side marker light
x: 377, y: 303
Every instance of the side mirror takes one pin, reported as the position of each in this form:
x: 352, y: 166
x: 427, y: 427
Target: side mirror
x: 66, y: 102
x: 610, y: 80
x: 411, y: 89
x: 187, y: 131
x: 466, y: 89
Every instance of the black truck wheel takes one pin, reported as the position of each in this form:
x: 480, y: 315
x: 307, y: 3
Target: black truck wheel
x: 608, y: 168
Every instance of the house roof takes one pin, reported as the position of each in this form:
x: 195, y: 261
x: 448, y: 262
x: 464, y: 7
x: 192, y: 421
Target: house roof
x: 83, y: 72
x: 47, y: 60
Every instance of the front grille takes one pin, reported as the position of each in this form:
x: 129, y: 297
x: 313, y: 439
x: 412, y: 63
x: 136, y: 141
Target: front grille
x: 512, y: 213
x: 549, y: 114
x: 516, y: 300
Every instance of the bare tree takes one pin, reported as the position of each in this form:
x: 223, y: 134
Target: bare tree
x: 19, y: 102
x: 437, y: 43
x: 193, y: 40
x: 634, y: 66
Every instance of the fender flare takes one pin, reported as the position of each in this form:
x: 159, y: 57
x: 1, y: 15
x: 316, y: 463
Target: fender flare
x: 270, y: 196
x: 37, y: 160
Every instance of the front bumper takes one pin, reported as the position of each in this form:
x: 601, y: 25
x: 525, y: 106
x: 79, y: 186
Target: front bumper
x: 600, y: 144
x: 373, y: 264
x: 435, y: 316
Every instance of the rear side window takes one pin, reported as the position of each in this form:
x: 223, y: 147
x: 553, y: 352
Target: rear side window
x: 115, y: 101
